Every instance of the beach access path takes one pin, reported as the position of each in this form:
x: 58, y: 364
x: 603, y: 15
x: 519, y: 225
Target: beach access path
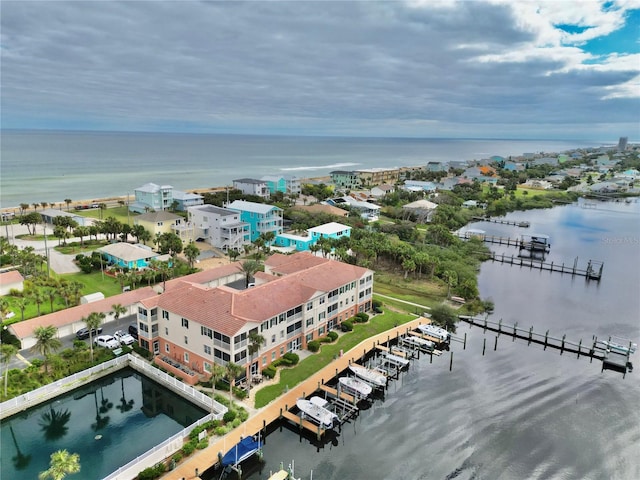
x: 202, y: 460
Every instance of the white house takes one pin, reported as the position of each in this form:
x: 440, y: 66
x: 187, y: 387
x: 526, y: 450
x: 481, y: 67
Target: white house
x: 251, y: 186
x: 219, y: 227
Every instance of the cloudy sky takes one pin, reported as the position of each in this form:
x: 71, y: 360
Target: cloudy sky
x: 495, y: 69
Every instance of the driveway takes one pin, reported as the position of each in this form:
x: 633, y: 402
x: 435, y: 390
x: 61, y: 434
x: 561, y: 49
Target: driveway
x: 58, y: 262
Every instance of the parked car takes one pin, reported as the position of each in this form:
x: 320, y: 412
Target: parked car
x: 123, y: 337
x: 84, y: 333
x: 133, y: 331
x: 106, y: 341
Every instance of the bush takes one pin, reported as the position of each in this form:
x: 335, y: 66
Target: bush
x: 142, y: 351
x: 291, y: 358
x: 269, y: 371
x: 346, y: 326
x: 333, y: 336
x: 361, y: 317
x: 202, y: 444
x: 189, y: 447
x: 177, y: 457
x: 150, y: 473
x: 239, y: 393
x: 229, y: 416
x: 313, y: 346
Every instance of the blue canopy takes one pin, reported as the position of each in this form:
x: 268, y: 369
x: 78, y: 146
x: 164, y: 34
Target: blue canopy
x: 243, y: 450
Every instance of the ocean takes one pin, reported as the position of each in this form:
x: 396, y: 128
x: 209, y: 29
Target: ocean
x: 51, y: 166
x: 517, y: 412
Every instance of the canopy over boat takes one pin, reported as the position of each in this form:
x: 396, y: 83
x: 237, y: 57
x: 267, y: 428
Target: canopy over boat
x: 241, y: 451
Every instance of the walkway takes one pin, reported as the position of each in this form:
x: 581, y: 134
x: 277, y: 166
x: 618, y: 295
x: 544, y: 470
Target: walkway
x: 204, y: 459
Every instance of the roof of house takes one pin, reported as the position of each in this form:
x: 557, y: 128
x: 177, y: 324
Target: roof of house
x: 329, y: 228
x: 222, y: 212
x: 205, y: 276
x: 75, y: 314
x: 128, y: 252
x: 421, y: 205
x: 249, y: 180
x: 180, y: 195
x: 12, y: 276
x: 160, y: 216
x: 245, y: 206
x: 152, y: 188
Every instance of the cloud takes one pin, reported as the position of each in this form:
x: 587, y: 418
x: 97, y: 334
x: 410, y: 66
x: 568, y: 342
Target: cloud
x: 367, y: 68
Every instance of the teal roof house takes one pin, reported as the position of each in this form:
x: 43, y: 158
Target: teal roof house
x: 304, y: 242
x: 262, y: 218
x: 133, y: 257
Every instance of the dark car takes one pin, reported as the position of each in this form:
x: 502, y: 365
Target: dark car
x: 133, y: 331
x: 84, y: 333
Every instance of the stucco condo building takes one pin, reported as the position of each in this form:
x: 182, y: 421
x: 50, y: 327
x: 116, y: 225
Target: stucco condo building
x: 297, y: 298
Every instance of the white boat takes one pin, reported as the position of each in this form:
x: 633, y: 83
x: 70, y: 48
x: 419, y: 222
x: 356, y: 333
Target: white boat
x: 435, y: 332
x: 355, y: 386
x: 421, y: 343
x: 315, y: 410
x: 372, y: 377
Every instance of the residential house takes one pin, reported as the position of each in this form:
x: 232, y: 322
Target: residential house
x: 286, y: 185
x: 513, y: 166
x: 184, y: 200
x: 536, y: 183
x: 345, y: 179
x: 366, y: 210
x: 152, y: 198
x: 132, y: 257
x: 419, y: 186
x: 382, y: 190
x: 251, y: 186
x: 299, y: 298
x: 11, y: 280
x: 332, y: 230
x: 262, y: 218
x: 50, y: 214
x: 220, y: 227
x: 423, y: 210
x: 437, y: 167
x: 545, y: 161
x: 162, y: 221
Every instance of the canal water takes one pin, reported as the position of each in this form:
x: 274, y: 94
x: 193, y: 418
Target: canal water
x: 517, y: 412
x: 108, y: 422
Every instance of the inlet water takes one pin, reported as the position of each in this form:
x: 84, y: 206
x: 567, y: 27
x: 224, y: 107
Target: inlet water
x: 108, y: 422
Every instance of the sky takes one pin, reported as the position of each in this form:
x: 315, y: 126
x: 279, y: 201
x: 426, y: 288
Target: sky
x: 417, y: 68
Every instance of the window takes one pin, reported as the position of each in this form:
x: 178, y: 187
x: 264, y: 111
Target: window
x: 281, y: 351
x: 225, y: 357
x: 273, y: 322
x: 240, y: 357
x: 273, y: 338
x: 264, y: 326
x: 207, y: 332
x: 186, y: 340
x: 167, y: 348
x: 309, y: 321
x: 309, y: 306
x: 308, y: 337
x: 154, y: 330
x: 321, y: 300
x: 186, y: 358
x: 185, y: 323
x: 166, y: 331
x: 273, y: 356
x: 207, y: 349
x: 264, y: 361
x: 165, y: 314
x: 207, y: 367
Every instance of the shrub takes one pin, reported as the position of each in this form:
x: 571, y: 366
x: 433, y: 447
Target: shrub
x: 239, y: 393
x: 361, y: 317
x: 269, y: 371
x: 189, y: 447
x: 143, y: 352
x: 312, y: 346
x: 202, y: 444
x: 277, y: 363
x: 229, y: 416
x: 291, y: 358
x: 177, y: 457
x: 346, y: 326
x: 333, y: 336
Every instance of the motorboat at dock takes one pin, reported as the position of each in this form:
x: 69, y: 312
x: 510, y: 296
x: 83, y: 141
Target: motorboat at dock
x: 372, y: 377
x: 354, y: 386
x: 314, y: 409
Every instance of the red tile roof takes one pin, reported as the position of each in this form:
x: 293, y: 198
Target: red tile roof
x: 205, y: 276
x: 12, y: 276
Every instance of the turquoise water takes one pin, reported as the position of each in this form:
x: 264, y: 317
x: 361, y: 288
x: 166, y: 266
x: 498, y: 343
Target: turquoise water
x: 108, y: 423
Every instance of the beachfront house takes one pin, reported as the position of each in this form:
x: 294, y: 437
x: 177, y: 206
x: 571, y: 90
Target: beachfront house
x: 262, y: 218
x: 184, y: 200
x: 332, y: 230
x: 345, y: 179
x: 252, y: 186
x: 419, y: 186
x: 219, y: 227
x: 286, y: 185
x: 298, y: 298
x: 380, y: 191
x: 159, y: 222
x: 366, y: 210
x: 50, y: 214
x: 152, y: 198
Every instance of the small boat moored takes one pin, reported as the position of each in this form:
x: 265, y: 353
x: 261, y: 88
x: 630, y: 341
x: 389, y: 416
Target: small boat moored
x: 244, y: 449
x: 314, y: 409
x: 353, y: 385
x: 370, y: 376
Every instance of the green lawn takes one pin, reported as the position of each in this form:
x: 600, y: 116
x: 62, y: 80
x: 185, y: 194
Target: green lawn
x: 119, y: 213
x: 94, y: 282
x: 290, y: 377
x: 74, y: 248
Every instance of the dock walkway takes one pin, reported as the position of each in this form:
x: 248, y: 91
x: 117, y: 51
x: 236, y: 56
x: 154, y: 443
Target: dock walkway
x: 202, y: 460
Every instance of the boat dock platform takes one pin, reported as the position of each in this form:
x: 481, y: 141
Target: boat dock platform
x: 593, y: 270
x: 595, y: 348
x: 522, y: 224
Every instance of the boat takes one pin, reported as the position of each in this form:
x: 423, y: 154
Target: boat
x: 314, y: 408
x: 435, y: 332
x: 244, y: 449
x: 353, y: 385
x: 627, y: 349
x: 370, y: 376
x: 421, y: 343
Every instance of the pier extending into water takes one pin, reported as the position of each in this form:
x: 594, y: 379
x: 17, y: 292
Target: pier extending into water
x: 517, y: 223
x: 593, y: 270
x: 594, y: 348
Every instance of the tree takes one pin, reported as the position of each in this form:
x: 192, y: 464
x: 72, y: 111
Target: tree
x: 255, y: 342
x: 93, y: 321
x: 233, y: 370
x: 117, y: 311
x: 249, y: 268
x: 62, y: 463
x: 38, y: 298
x: 168, y: 242
x: 54, y: 423
x: 31, y: 220
x: 233, y: 254
x: 191, y: 252
x: 217, y: 373
x: 46, y: 342
x: 68, y: 202
x: 444, y: 316
x: 163, y: 269
x: 81, y: 232
x: 8, y: 352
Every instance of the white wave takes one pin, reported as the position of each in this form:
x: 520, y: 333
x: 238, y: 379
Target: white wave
x: 319, y: 167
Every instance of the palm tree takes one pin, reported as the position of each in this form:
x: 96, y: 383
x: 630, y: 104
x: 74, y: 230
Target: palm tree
x: 125, y: 405
x: 20, y: 461
x: 233, y: 254
x: 191, y: 252
x: 8, y: 352
x: 249, y: 268
x: 62, y: 463
x: 93, y: 321
x: 232, y: 372
x: 255, y: 342
x: 38, y: 298
x: 117, y: 311
x: 46, y: 342
x: 21, y: 303
x: 68, y: 202
x: 217, y: 372
x: 54, y: 423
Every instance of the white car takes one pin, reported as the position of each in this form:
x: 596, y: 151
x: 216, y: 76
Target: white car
x: 106, y: 341
x: 124, y: 338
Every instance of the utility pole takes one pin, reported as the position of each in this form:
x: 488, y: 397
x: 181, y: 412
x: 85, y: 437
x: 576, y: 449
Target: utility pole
x: 46, y: 249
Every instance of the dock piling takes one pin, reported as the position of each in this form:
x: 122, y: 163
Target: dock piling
x: 530, y: 335
x: 515, y: 331
x: 464, y: 344
x: 484, y: 345
x: 546, y: 335
x: 451, y: 361
x: 495, y: 345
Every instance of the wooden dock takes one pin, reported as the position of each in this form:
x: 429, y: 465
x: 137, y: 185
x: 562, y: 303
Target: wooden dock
x: 202, y: 460
x: 593, y: 270
x: 517, y: 223
x: 333, y: 393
